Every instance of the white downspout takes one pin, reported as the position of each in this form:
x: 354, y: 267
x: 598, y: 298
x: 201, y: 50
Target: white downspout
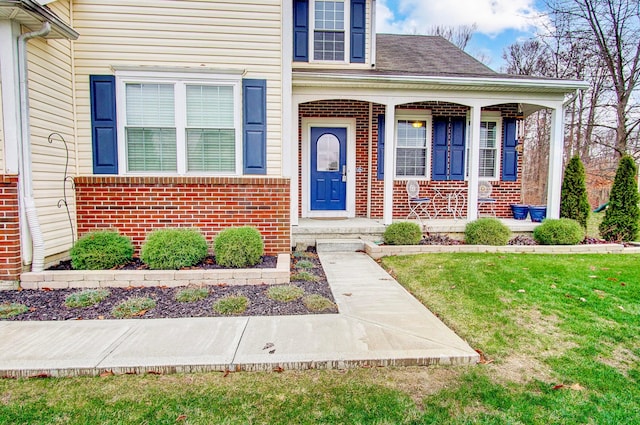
x: 26, y: 183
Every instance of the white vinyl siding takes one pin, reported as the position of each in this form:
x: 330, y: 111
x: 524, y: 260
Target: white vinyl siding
x: 2, y: 169
x: 51, y: 111
x: 240, y: 36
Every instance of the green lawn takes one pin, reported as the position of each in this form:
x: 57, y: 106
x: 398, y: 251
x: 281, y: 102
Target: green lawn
x: 559, y: 335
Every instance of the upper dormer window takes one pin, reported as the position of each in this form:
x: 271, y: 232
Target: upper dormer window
x: 329, y: 30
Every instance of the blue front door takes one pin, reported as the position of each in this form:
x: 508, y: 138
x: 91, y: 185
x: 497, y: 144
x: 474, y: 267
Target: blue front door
x: 328, y: 169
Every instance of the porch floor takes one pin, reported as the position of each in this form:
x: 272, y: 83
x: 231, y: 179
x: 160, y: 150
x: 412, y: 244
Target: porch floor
x: 309, y: 230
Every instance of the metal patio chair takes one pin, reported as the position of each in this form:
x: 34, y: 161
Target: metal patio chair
x: 484, y: 197
x: 417, y: 206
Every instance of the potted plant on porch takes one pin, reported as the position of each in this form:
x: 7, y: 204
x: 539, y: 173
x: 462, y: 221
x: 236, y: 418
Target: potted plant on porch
x: 519, y: 211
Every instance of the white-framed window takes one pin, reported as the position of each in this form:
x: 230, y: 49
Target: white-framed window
x: 413, y: 143
x: 330, y: 34
x: 490, y: 141
x: 171, y: 123
x: 490, y: 147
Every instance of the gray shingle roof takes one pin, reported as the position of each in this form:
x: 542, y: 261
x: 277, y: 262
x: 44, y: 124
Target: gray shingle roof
x: 425, y: 55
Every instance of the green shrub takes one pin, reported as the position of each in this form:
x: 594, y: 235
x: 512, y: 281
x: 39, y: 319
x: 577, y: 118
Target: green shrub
x: 86, y: 298
x: 238, y: 247
x: 486, y: 231
x: 304, y: 276
x: 622, y: 218
x: 285, y: 293
x: 11, y: 309
x: 304, y: 264
x: 402, y: 233
x: 574, y: 202
x: 233, y: 304
x: 134, y: 306
x: 190, y: 295
x: 317, y: 302
x: 563, y: 231
x: 172, y: 249
x: 101, y: 250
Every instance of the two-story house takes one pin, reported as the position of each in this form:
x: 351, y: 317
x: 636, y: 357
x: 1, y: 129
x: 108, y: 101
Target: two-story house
x: 215, y: 114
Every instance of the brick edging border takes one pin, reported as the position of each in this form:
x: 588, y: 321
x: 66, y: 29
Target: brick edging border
x: 170, y: 278
x: 377, y: 251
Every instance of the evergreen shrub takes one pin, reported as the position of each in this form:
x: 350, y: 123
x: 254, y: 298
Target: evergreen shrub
x: 402, y: 233
x: 486, y: 231
x: 574, y: 203
x: 172, y: 249
x: 622, y: 218
x: 238, y: 247
x: 563, y: 231
x: 101, y: 250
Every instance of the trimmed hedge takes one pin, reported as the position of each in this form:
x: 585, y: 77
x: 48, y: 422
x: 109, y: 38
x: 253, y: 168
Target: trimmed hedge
x: 101, y: 250
x: 172, y: 249
x: 238, y: 247
x: 486, y: 231
x: 402, y: 233
x: 563, y: 231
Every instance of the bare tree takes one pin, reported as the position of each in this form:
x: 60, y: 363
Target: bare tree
x: 611, y: 30
x: 460, y: 36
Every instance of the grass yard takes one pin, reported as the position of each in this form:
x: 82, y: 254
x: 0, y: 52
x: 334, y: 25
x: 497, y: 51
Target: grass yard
x: 559, y: 335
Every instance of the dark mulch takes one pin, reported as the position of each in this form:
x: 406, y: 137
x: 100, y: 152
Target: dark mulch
x: 208, y: 263
x: 438, y: 239
x: 49, y: 304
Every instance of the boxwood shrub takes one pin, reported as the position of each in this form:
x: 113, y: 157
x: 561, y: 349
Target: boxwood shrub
x: 402, y: 233
x: 172, y: 249
x: 486, y: 231
x: 238, y: 247
x: 101, y: 250
x: 563, y: 231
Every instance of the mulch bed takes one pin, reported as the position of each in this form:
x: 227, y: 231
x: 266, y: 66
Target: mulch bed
x: 209, y: 263
x: 49, y: 304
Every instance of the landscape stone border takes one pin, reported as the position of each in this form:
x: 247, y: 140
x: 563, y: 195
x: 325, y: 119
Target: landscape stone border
x: 376, y: 251
x: 62, y: 279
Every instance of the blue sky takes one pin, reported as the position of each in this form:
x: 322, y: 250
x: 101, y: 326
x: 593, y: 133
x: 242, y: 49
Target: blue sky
x: 499, y: 22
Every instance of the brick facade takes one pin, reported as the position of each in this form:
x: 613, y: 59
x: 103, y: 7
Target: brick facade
x: 137, y: 205
x: 10, y: 261
x: 505, y: 193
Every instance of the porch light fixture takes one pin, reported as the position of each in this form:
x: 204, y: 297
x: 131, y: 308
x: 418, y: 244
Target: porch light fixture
x: 417, y: 124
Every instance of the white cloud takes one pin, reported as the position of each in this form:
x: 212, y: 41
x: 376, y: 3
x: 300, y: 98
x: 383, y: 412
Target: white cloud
x: 490, y: 16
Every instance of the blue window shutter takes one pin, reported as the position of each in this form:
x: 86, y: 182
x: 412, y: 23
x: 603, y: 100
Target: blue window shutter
x: 104, y: 141
x: 301, y: 30
x: 358, y: 30
x: 509, y: 153
x: 439, y: 163
x: 457, y: 151
x: 381, y: 130
x: 254, y: 126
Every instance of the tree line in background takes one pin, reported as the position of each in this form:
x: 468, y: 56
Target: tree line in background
x: 597, y: 41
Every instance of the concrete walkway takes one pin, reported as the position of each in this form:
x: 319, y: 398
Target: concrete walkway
x: 379, y: 324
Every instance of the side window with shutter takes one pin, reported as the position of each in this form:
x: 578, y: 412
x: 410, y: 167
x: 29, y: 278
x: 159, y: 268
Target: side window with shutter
x: 254, y: 94
x: 509, y: 152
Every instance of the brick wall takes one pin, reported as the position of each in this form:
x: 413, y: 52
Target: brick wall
x: 10, y: 261
x: 505, y: 193
x: 137, y: 205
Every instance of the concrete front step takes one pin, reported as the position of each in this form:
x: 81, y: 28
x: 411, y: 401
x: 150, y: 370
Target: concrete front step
x: 339, y: 245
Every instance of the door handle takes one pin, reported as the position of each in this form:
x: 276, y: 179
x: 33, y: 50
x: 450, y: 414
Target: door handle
x: 344, y: 174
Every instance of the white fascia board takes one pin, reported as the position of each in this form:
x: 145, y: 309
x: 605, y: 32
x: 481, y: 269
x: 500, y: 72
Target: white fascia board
x: 308, y: 78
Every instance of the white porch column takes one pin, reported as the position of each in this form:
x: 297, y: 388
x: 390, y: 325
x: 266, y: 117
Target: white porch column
x: 474, y: 163
x: 389, y: 161
x: 10, y: 121
x: 295, y: 163
x: 554, y: 184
